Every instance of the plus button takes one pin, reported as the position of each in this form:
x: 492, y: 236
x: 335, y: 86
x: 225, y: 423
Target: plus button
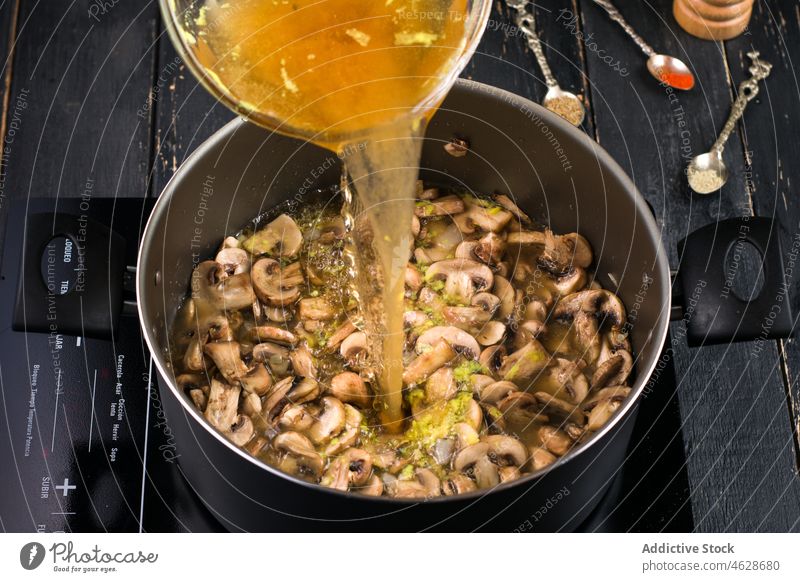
x: 66, y: 487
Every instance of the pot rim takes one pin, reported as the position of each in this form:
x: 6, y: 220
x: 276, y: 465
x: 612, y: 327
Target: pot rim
x: 657, y: 334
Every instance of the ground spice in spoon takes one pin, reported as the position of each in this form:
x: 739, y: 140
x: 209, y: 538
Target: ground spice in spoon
x: 567, y: 107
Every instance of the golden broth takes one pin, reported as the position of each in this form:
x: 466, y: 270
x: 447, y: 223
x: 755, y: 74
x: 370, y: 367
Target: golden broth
x: 335, y: 72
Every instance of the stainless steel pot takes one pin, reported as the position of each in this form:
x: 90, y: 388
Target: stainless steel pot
x: 554, y: 172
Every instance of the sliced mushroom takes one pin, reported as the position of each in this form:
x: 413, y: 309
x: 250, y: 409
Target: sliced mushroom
x: 277, y: 398
x: 346, y: 439
x: 506, y: 293
x: 258, y: 380
x: 474, y: 461
x: 271, y: 354
x: 522, y: 366
x: 441, y: 386
x: 558, y: 407
x: 560, y: 252
x: 487, y: 217
x: 492, y: 333
x: 470, y: 319
x: 528, y: 330
x: 407, y: 489
x: 587, y: 309
x: 302, y: 451
x: 330, y: 423
x: 279, y: 314
x: 273, y: 333
x: 306, y: 390
x: 554, y: 440
x: 459, y: 340
x: 465, y: 435
x: 486, y: 301
x: 509, y: 205
x: 354, y: 350
x: 274, y: 285
x: 223, y: 404
x: 429, y: 480
x: 457, y: 484
x: 444, y: 206
x: 233, y: 260
x: 212, y: 286
x: 281, y: 238
x: 229, y: 242
x: 497, y: 391
x: 353, y: 467
x: 541, y: 458
x: 473, y: 416
x: 571, y: 282
x: 457, y: 147
x: 228, y: 359
x: 303, y: 362
x: 564, y: 379
x: 315, y: 308
x: 463, y: 276
x: 508, y: 474
x: 251, y: 404
x: 373, y: 487
x: 428, y: 362
x: 424, y: 193
x: 489, y: 249
x: 241, y: 431
x: 414, y: 280
x: 350, y: 388
x: 440, y: 238
x: 522, y: 409
x: 414, y: 319
x: 193, y: 358
x: 505, y: 450
x: 614, y: 371
x: 602, y: 405
x: 492, y: 358
x: 338, y: 336
x: 199, y: 398
x: 479, y: 382
x: 297, y: 417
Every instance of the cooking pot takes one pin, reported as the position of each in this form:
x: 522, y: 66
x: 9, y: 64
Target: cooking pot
x: 553, y: 171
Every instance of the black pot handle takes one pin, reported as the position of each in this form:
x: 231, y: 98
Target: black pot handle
x: 703, y: 287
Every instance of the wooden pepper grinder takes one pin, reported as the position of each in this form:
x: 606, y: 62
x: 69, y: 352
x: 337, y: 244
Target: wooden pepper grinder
x: 713, y: 19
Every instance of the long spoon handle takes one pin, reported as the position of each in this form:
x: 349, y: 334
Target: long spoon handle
x: 526, y: 21
x: 748, y: 89
x: 617, y: 17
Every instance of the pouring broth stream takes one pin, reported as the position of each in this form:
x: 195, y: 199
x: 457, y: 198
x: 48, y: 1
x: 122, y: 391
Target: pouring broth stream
x: 337, y: 72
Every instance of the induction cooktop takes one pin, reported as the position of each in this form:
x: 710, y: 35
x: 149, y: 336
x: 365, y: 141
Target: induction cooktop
x: 84, y: 442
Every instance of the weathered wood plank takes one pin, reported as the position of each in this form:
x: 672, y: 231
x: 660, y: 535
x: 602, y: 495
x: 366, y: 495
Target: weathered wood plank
x: 185, y: 114
x: 86, y: 79
x: 733, y: 405
x: 504, y: 60
x: 772, y: 150
x: 9, y: 12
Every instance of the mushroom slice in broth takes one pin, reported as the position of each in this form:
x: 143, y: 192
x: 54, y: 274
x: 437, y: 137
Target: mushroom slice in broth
x: 514, y: 353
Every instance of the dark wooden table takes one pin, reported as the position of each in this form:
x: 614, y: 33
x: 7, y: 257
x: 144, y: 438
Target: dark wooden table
x: 95, y: 99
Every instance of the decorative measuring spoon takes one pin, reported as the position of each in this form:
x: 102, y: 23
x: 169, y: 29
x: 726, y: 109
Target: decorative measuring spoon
x: 666, y: 69
x: 563, y: 103
x: 707, y: 172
